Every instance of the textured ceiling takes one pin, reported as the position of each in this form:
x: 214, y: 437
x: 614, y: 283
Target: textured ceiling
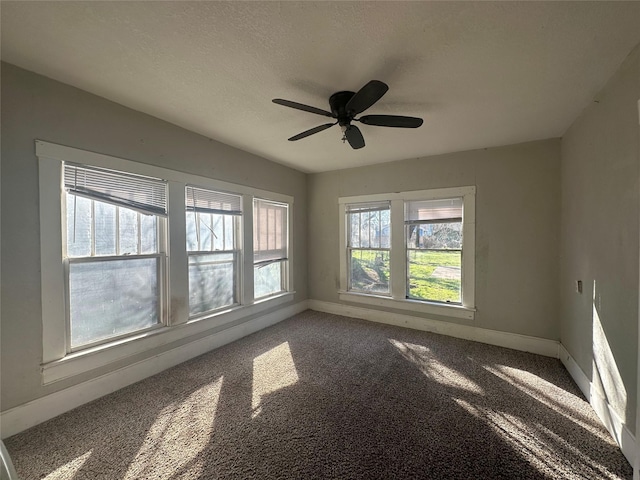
x: 481, y: 74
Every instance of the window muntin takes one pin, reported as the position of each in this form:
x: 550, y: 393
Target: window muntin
x: 433, y: 230
x: 368, y: 247
x: 113, y: 257
x: 213, y: 220
x: 270, y: 247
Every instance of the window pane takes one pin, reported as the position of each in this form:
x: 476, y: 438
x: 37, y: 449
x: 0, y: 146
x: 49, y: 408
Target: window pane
x: 148, y: 234
x: 105, y: 225
x: 385, y: 229
x: 365, y: 230
x: 369, y: 229
x: 206, y: 236
x: 211, y: 282
x: 192, y: 237
x: 78, y: 226
x: 109, y: 298
x: 229, y: 232
x: 435, y: 275
x: 267, y: 279
x: 369, y: 271
x: 443, y: 236
x: 218, y: 233
x: 354, y: 226
x: 128, y: 231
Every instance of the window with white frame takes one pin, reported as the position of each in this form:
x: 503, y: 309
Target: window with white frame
x: 368, y: 246
x: 213, y: 220
x: 410, y: 250
x: 433, y: 229
x: 270, y: 247
x: 114, y: 253
x: 134, y: 256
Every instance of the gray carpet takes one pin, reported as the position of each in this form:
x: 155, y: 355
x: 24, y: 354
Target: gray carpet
x: 324, y: 396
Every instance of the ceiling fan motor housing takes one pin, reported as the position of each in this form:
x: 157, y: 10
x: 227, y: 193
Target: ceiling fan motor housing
x: 338, y: 102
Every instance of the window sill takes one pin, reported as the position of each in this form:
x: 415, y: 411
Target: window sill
x: 99, y: 356
x: 456, y: 311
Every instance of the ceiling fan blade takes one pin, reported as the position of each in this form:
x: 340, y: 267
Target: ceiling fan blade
x: 311, y: 131
x: 300, y: 106
x: 398, y: 121
x: 354, y: 137
x: 366, y: 96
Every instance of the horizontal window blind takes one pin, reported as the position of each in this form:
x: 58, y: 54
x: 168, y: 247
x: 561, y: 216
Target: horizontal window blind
x: 433, y: 211
x: 144, y: 194
x: 269, y: 231
x: 368, y: 207
x: 208, y: 201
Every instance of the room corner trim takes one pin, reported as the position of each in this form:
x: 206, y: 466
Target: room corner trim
x: 22, y: 417
x: 525, y: 343
x: 607, y: 415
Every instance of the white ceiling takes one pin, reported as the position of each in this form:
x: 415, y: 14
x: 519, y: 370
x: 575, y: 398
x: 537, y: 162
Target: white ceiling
x: 481, y: 74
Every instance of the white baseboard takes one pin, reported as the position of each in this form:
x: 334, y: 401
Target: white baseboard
x: 575, y: 371
x: 525, y: 343
x: 24, y: 416
x: 608, y: 416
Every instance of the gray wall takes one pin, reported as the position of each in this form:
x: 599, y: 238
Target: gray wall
x: 600, y: 171
x: 517, y: 227
x: 34, y: 107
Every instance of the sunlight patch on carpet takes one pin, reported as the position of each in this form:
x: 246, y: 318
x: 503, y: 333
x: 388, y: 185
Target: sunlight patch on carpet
x: 272, y: 371
x: 538, y: 445
x: 430, y: 366
x: 556, y: 398
x: 181, y: 431
x: 69, y: 470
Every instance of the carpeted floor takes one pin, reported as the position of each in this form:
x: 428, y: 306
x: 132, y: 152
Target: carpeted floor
x: 324, y: 396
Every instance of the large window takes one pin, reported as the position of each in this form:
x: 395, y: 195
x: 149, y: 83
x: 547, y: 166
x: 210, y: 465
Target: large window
x: 212, y: 243
x: 410, y: 250
x: 114, y: 255
x: 134, y: 256
x: 270, y: 247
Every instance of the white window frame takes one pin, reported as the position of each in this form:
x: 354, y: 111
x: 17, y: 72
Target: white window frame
x: 398, y: 257
x: 350, y: 249
x: 57, y: 361
x: 162, y: 288
x: 285, y: 272
x: 236, y: 252
x: 160, y: 256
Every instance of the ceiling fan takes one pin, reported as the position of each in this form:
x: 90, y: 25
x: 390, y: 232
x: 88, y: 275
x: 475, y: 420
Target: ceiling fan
x: 344, y: 108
